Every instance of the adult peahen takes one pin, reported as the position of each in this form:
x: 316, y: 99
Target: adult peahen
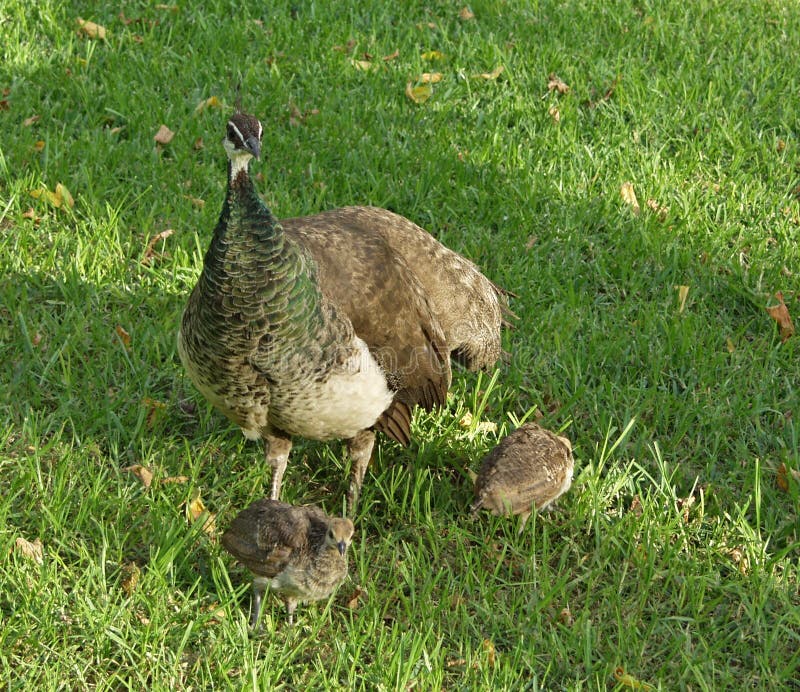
x: 329, y: 326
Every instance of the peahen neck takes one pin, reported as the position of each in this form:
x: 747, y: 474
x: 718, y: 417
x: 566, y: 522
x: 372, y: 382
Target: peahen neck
x: 254, y: 270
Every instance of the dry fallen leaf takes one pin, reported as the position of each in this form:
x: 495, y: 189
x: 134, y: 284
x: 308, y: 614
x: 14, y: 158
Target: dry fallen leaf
x: 432, y: 55
x: 30, y: 214
x: 353, y: 601
x: 195, y: 509
x: 123, y: 335
x: 683, y: 292
x: 210, y: 102
x: 741, y: 560
x: 466, y: 420
x: 39, y: 145
x: 174, y: 479
x: 465, y: 14
x: 555, y: 114
x: 153, y: 409
x: 364, y: 65
x: 130, y: 578
x: 565, y: 616
x: 491, y: 656
x: 64, y: 195
x: 58, y: 199
x: 784, y: 474
x: 627, y: 680
x: 30, y: 121
x: 149, y: 251
x: 91, y: 30
x: 30, y: 551
x: 729, y: 345
x: 391, y: 56
x: 555, y: 83
x: 494, y: 74
x: 419, y: 93
x: 659, y: 210
x: 164, y: 135
x: 629, y: 197
x: 780, y: 313
x: 144, y: 474
x: 431, y: 77
x: 196, y: 201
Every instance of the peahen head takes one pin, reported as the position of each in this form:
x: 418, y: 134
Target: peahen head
x: 242, y: 140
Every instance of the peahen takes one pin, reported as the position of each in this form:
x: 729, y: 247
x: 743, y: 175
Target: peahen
x: 329, y: 326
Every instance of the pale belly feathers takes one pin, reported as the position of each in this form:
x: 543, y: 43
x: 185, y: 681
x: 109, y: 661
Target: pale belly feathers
x: 350, y: 399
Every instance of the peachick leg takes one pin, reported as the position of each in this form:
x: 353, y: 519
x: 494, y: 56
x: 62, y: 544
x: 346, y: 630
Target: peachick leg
x: 277, y: 448
x: 360, y: 450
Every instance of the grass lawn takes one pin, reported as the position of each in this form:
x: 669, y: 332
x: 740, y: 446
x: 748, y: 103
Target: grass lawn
x: 644, y: 335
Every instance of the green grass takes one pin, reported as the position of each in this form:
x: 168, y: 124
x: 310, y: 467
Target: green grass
x: 675, y: 554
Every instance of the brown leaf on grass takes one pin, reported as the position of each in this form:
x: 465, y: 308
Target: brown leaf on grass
x: 30, y: 214
x: 784, y: 476
x: 780, y: 313
x: 210, y: 102
x: 607, y: 94
x: 391, y: 56
x: 781, y: 145
x: 565, y: 617
x: 419, y: 93
x: 465, y: 14
x: 166, y: 8
x: 149, y: 252
x: 491, y: 655
x: 730, y: 345
x: 30, y: 121
x: 164, y: 135
x: 430, y: 77
x: 196, y: 201
x: 627, y: 680
x: 123, y: 335
x: 198, y: 144
x: 555, y: 83
x: 144, y: 474
x: 196, y: 510
x: 555, y: 114
x: 91, y: 30
x: 364, y: 65
x: 154, y: 409
x: 353, y: 601
x: 174, y: 479
x: 39, y: 145
x: 629, y: 197
x: 30, y: 551
x: 660, y: 211
x: 64, y: 195
x: 432, y: 55
x: 4, y: 105
x: 347, y: 47
x: 494, y: 74
x: 130, y: 578
x: 58, y: 199
x: 532, y: 240
x: 683, y: 292
x: 741, y: 560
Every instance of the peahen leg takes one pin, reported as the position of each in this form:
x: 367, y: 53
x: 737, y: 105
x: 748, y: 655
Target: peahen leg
x: 360, y: 450
x: 277, y: 448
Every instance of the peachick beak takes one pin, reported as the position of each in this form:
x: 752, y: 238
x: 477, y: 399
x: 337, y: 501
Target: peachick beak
x: 342, y: 546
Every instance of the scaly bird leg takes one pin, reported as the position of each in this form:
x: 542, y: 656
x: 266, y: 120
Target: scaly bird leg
x: 360, y: 450
x: 259, y: 584
x: 277, y: 448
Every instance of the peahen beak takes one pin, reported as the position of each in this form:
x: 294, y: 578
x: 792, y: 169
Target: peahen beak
x: 253, y: 146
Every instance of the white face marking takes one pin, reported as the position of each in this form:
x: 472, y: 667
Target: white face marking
x: 238, y: 132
